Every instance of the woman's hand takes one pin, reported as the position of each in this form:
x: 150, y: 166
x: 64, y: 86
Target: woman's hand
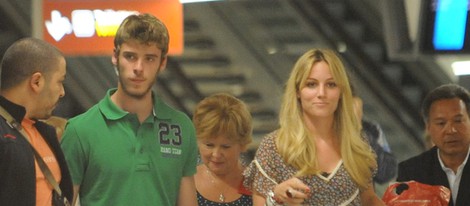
x: 368, y: 197
x: 291, y: 192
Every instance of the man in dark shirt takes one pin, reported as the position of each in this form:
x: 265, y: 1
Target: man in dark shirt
x: 32, y: 76
x: 445, y: 111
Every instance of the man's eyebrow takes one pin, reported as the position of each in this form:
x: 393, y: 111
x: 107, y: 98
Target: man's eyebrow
x: 458, y: 116
x: 128, y: 52
x: 443, y: 118
x: 151, y: 55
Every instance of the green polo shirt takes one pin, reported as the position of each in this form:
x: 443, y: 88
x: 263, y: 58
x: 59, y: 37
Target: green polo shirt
x: 118, y: 161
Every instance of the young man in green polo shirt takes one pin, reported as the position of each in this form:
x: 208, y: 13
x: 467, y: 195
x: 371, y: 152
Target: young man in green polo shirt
x: 131, y: 148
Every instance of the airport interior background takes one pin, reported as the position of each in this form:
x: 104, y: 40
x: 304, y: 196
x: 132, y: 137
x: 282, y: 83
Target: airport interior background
x: 248, y: 47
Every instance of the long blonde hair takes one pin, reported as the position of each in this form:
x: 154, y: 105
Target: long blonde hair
x: 294, y: 142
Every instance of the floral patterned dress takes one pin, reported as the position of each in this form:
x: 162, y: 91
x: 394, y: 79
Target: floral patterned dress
x: 268, y: 169
x: 244, y: 200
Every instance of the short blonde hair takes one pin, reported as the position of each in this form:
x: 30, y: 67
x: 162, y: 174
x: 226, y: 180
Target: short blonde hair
x: 223, y: 114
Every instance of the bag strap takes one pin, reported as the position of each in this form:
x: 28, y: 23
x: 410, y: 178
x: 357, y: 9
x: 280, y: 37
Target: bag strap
x: 44, y: 168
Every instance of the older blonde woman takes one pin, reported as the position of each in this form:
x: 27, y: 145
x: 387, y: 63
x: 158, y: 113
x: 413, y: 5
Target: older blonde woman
x: 223, y: 129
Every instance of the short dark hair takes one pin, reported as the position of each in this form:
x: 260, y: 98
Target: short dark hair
x: 25, y: 57
x: 144, y: 28
x: 446, y: 91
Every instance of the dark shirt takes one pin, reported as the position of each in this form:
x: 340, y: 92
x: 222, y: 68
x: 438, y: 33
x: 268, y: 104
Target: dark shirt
x: 425, y: 168
x: 17, y: 168
x: 244, y: 200
x: 386, y: 161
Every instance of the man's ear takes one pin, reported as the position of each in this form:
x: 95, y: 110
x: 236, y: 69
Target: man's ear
x: 426, y: 126
x: 114, y: 58
x: 36, y: 81
x: 163, y: 63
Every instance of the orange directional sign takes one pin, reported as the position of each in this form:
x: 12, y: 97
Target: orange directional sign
x: 87, y: 27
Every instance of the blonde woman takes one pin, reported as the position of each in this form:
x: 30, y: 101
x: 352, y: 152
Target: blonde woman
x: 223, y: 130
x: 317, y: 156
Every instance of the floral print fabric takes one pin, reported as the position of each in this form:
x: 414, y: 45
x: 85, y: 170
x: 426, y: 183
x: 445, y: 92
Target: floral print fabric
x: 335, y: 189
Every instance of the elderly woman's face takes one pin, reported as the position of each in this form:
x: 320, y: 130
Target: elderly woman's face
x: 220, y: 154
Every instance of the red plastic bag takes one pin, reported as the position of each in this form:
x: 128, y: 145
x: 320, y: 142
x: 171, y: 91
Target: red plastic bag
x: 416, y: 194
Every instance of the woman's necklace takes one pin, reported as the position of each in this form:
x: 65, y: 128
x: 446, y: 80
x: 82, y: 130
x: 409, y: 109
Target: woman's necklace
x: 221, y: 196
